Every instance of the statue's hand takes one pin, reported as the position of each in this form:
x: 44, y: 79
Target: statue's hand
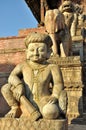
x: 53, y: 100
x: 18, y: 92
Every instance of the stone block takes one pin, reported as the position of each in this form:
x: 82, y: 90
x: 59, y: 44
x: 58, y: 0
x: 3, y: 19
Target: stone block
x: 27, y: 124
x: 72, y: 74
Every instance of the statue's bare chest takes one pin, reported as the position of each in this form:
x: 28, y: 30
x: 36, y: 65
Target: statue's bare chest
x: 41, y: 75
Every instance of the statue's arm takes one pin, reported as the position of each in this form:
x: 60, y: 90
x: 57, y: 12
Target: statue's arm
x: 15, y: 76
x: 57, y: 80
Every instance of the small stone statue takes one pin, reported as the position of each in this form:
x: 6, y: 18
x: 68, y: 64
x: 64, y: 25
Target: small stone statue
x: 59, y: 33
x: 73, y: 14
x: 67, y: 8
x: 36, y: 82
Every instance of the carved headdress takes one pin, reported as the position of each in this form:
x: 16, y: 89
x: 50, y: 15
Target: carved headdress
x: 38, y: 37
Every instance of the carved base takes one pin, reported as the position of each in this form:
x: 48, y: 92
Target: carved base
x: 26, y: 124
x: 71, y: 68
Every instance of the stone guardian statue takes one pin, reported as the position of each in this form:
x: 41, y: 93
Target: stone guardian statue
x: 29, y: 82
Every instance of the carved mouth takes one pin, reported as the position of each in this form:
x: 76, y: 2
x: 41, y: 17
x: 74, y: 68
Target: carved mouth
x: 67, y: 7
x: 36, y: 57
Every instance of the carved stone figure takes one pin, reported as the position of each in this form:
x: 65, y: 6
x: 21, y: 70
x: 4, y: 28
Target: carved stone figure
x: 72, y: 14
x: 67, y: 9
x: 59, y: 33
x: 36, y: 83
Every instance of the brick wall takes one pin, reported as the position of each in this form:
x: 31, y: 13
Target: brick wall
x: 11, y: 53
x: 24, y: 32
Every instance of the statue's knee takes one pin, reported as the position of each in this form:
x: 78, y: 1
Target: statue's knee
x: 50, y: 111
x: 5, y: 88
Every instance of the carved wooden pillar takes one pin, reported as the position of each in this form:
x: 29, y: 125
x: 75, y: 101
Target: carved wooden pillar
x: 42, y: 10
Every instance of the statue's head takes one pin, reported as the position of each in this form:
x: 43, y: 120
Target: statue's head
x: 38, y: 46
x: 54, y: 21
x: 67, y: 6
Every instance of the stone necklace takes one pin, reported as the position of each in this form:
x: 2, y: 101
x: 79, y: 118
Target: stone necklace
x: 36, y: 70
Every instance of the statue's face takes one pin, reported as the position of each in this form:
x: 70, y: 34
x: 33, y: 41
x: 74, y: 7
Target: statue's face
x: 37, y: 52
x: 67, y: 6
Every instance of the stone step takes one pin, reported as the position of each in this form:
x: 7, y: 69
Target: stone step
x: 27, y: 124
x: 80, y: 120
x: 84, y: 116
x: 76, y: 127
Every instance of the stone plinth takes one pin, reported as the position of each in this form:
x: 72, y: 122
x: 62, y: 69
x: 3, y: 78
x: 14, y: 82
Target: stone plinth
x: 71, y: 68
x: 26, y: 124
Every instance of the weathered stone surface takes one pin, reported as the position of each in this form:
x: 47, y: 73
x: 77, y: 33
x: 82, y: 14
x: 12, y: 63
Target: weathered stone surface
x: 71, y: 69
x: 59, y: 33
x: 76, y: 127
x: 72, y: 75
x: 37, y: 74
x: 26, y: 124
x: 73, y: 84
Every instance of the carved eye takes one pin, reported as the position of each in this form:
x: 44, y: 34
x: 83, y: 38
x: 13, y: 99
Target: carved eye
x: 41, y: 49
x: 31, y: 49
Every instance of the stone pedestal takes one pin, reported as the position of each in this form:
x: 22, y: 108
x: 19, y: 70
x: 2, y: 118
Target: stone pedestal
x: 71, y: 68
x: 26, y: 124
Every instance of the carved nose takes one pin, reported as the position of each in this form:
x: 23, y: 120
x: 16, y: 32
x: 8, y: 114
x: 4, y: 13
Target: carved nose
x: 36, y: 52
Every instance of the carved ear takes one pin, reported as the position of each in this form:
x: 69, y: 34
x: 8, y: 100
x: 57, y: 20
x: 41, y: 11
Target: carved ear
x: 26, y: 53
x: 49, y: 53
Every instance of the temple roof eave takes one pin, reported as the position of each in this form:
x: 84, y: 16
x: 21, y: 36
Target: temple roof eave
x: 34, y: 6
